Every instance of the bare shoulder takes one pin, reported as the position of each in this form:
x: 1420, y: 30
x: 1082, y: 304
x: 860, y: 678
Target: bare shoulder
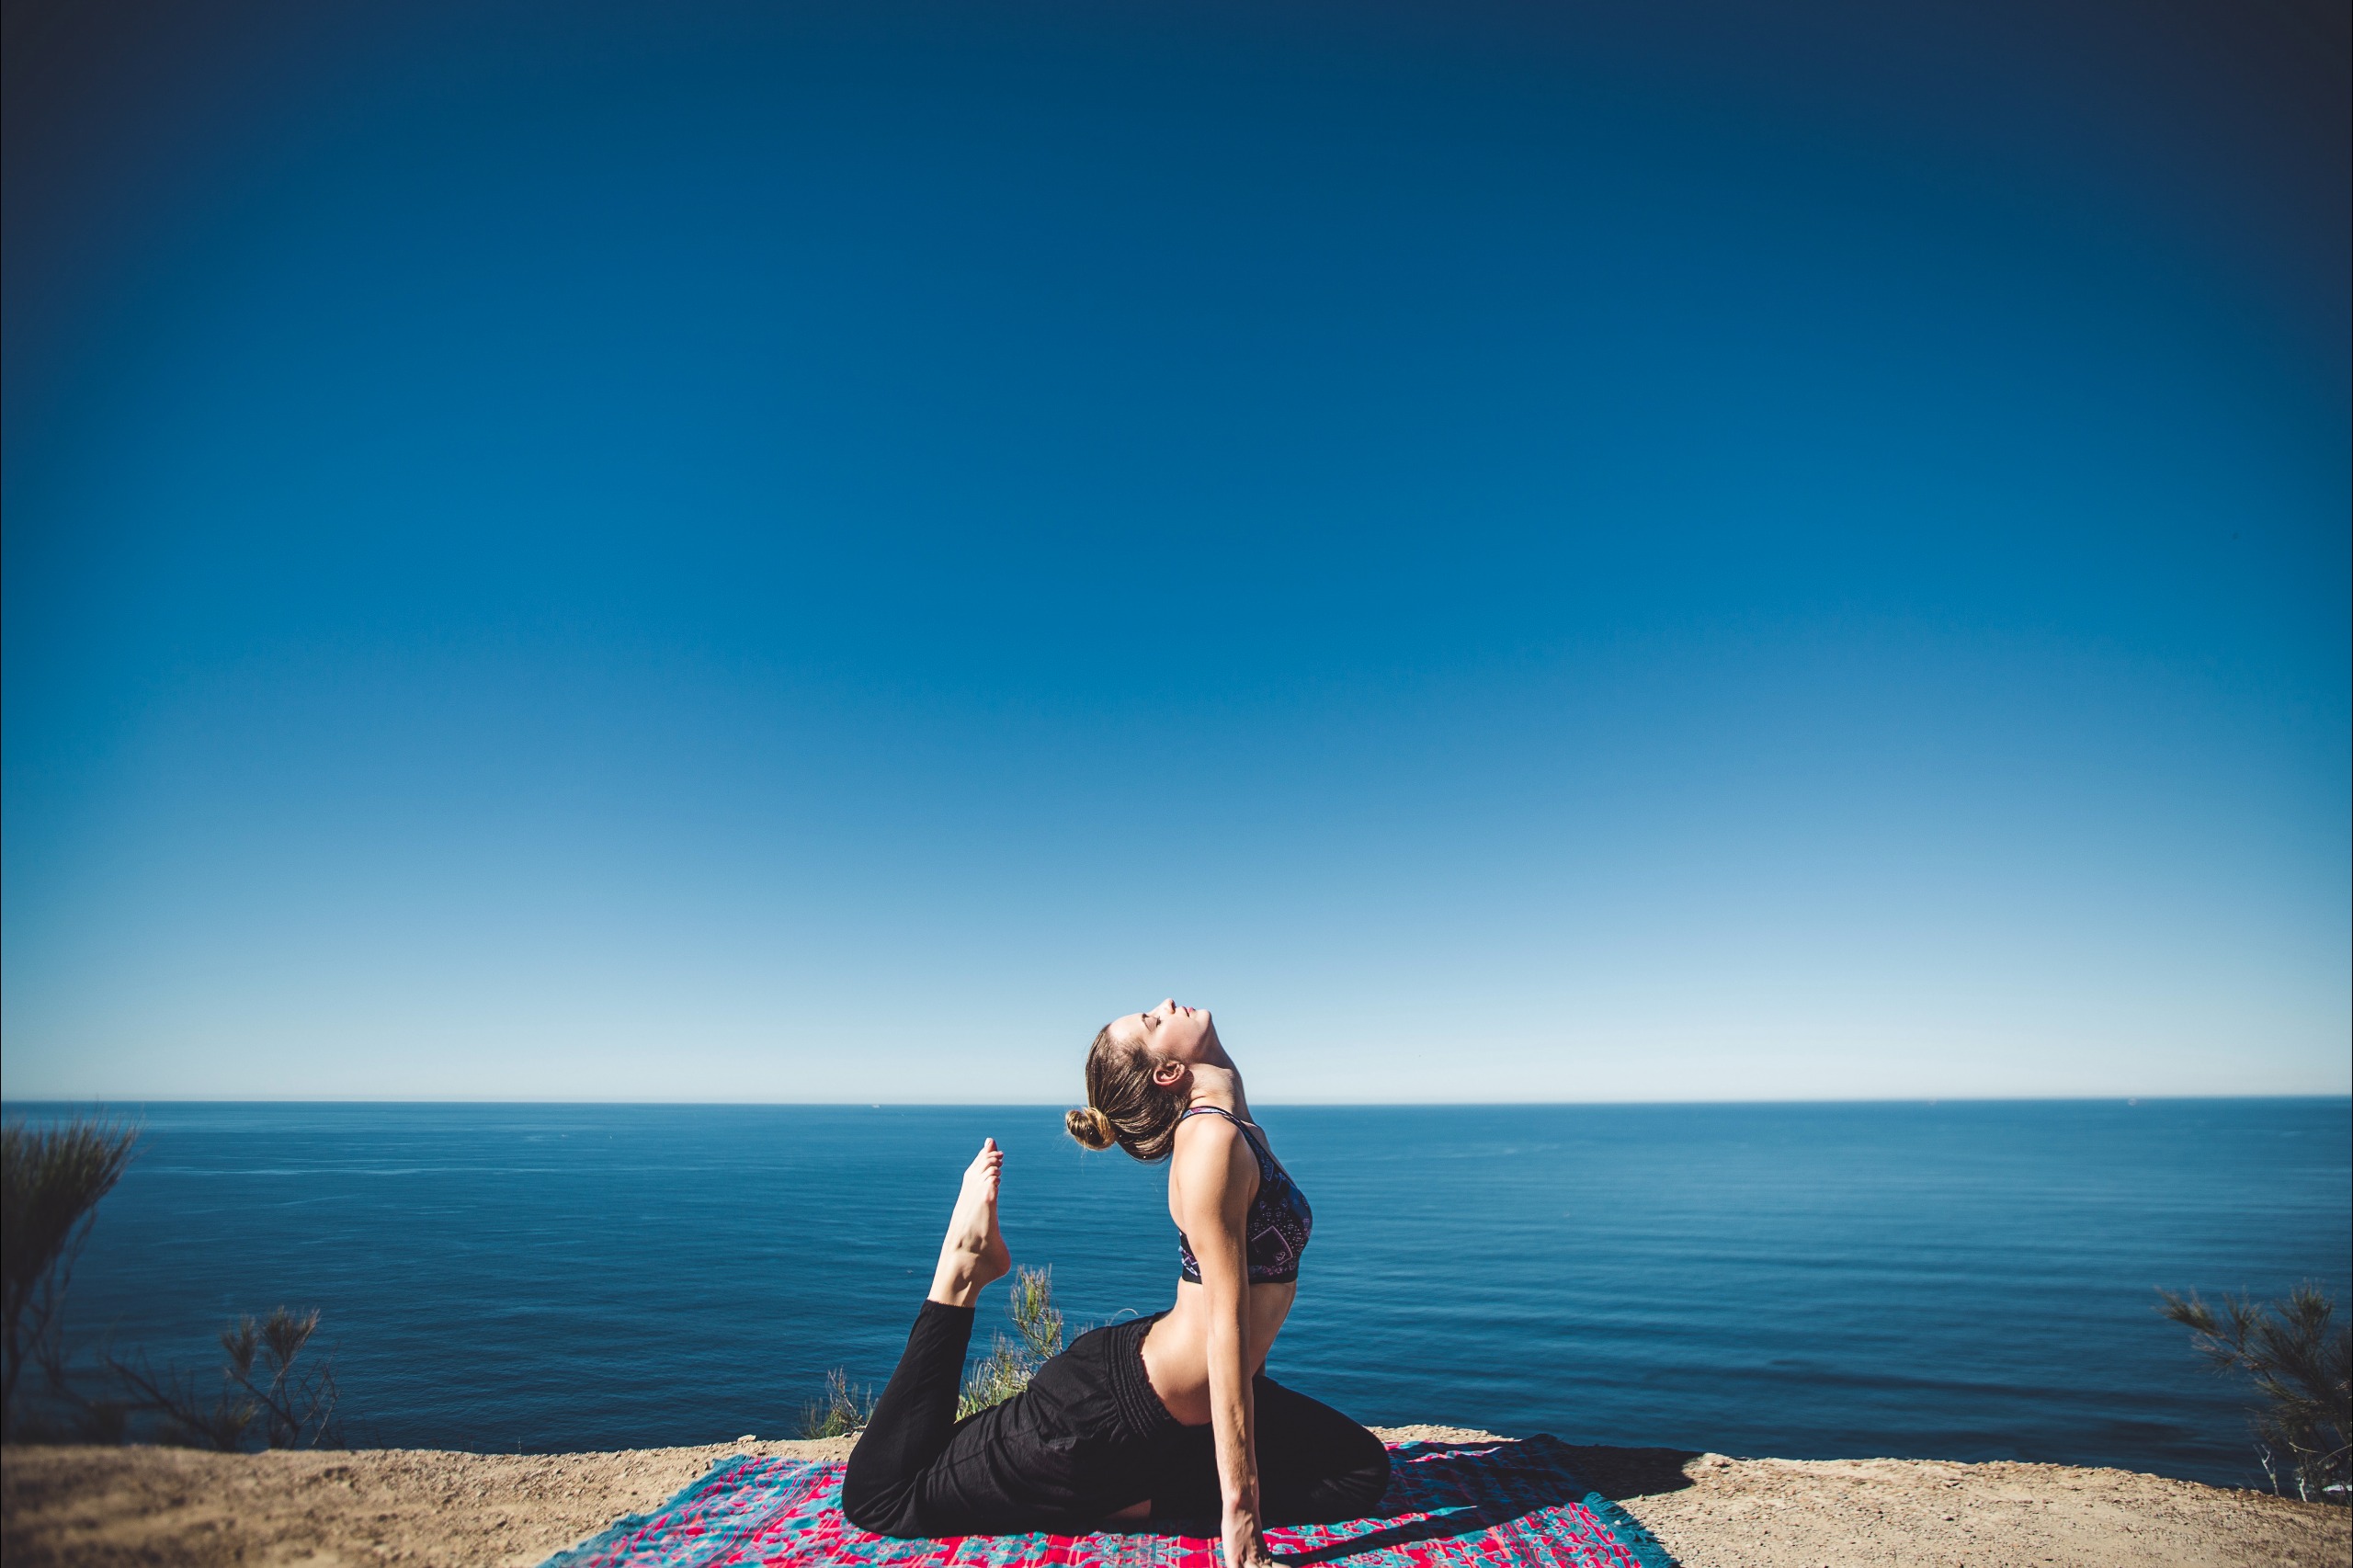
x: 1202, y: 1140
x: 1211, y: 1156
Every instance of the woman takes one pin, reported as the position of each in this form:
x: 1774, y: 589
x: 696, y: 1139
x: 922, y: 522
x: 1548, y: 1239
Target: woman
x: 1168, y: 1418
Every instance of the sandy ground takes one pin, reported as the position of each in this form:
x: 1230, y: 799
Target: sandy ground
x: 175, y: 1506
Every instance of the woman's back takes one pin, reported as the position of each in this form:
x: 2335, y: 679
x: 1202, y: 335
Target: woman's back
x: 1219, y: 1150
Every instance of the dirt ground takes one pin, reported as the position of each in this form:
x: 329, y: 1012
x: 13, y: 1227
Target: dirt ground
x: 169, y: 1507
x: 1714, y: 1512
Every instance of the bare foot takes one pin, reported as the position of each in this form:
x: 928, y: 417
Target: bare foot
x: 972, y: 1253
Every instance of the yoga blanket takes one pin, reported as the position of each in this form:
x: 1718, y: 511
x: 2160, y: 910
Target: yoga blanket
x: 1449, y: 1505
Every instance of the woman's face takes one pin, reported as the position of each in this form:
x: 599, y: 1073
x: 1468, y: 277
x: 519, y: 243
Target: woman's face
x: 1173, y: 1033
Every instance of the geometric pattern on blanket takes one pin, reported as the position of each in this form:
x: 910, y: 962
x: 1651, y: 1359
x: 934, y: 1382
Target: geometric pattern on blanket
x: 1449, y: 1505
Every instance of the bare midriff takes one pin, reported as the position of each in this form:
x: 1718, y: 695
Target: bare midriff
x: 1176, y: 1349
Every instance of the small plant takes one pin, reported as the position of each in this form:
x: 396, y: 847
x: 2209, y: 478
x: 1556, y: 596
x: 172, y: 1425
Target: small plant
x: 48, y: 1197
x: 1007, y: 1369
x: 261, y: 1392
x: 50, y: 1181
x: 2302, y: 1365
x: 1035, y: 1316
x: 841, y: 1412
x: 997, y: 1377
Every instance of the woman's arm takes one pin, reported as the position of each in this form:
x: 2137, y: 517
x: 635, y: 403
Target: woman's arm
x: 1216, y: 1178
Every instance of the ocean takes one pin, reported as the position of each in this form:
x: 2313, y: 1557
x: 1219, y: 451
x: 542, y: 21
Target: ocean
x: 1963, y: 1280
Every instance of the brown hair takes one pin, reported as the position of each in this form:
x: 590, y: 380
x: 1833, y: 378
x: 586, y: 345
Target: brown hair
x: 1123, y: 1105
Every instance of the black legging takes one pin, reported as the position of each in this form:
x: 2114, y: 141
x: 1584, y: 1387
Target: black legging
x: 1085, y: 1440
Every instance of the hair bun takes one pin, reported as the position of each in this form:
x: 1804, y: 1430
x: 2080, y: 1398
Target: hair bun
x: 1089, y: 1126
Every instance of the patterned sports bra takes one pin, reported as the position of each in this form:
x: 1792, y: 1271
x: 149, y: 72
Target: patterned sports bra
x: 1275, y: 1230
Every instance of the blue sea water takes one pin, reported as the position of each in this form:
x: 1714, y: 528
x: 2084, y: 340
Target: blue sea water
x: 1963, y: 1280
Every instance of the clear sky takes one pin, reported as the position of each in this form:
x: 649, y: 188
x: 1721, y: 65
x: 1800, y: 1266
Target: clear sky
x: 820, y: 550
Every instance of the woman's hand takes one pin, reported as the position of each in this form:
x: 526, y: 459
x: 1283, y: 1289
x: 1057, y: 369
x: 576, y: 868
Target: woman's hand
x: 1246, y: 1543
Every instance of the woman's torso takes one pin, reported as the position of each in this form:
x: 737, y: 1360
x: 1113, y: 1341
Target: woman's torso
x: 1176, y: 1352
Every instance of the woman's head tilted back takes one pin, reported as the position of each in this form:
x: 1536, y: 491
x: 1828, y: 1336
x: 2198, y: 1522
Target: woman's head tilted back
x: 1139, y: 1079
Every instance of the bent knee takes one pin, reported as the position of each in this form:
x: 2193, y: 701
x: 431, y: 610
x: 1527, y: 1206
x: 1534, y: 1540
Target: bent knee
x: 891, y: 1522
x: 876, y: 1509
x: 890, y: 1526
x: 1353, y: 1480
x: 1368, y: 1478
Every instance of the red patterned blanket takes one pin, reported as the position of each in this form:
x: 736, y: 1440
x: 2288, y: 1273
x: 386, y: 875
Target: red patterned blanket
x: 1449, y: 1505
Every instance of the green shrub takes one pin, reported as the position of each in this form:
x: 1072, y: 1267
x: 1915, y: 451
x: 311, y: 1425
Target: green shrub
x: 840, y: 1412
x: 2300, y: 1364
x: 50, y: 1181
x: 997, y: 1377
x: 1007, y: 1369
x: 264, y: 1393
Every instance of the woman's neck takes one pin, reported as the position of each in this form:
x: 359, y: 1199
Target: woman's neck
x: 1219, y: 1086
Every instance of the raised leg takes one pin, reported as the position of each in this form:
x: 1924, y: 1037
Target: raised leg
x: 913, y: 1420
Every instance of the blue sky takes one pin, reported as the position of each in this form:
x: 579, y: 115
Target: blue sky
x: 819, y: 551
